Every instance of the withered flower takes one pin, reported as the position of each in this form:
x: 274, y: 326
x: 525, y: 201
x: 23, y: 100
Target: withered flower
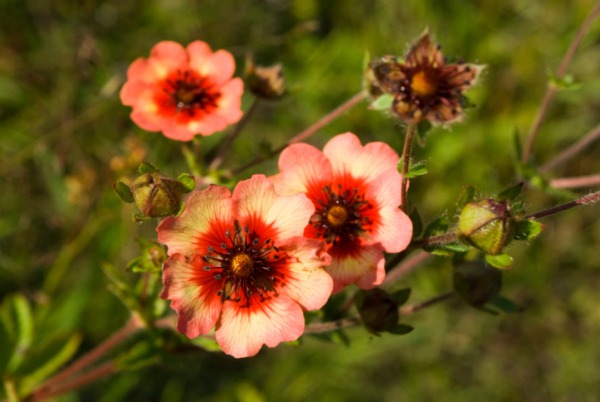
x: 425, y: 86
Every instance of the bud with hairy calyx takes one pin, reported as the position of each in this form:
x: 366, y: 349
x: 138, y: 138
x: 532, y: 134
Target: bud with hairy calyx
x: 486, y: 225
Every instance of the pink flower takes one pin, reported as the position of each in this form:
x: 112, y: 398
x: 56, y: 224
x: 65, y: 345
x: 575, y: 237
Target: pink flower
x: 183, y: 91
x: 356, y: 193
x: 240, y: 262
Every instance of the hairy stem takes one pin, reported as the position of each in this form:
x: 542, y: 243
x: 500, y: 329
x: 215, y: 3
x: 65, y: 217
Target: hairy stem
x: 585, y: 200
x: 408, y: 310
x: 442, y: 239
x: 399, y: 271
x: 312, y: 129
x: 551, y: 90
x: 227, y: 141
x: 406, y: 151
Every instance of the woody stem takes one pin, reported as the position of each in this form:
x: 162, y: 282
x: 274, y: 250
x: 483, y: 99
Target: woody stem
x: 585, y: 200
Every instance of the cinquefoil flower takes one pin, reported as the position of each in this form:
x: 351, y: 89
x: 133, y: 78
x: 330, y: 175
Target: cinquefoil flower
x: 356, y: 194
x: 183, y: 91
x: 239, y: 262
x: 425, y: 86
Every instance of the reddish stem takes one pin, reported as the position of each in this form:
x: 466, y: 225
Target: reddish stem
x: 551, y: 90
x: 586, y: 200
x: 575, y: 182
x: 400, y: 271
x: 573, y: 150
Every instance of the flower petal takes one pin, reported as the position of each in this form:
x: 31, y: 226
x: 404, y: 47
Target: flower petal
x: 363, y: 266
x: 392, y: 227
x: 242, y: 331
x: 347, y: 155
x: 229, y: 104
x: 219, y: 66
x: 303, y: 167
x: 306, y: 281
x: 258, y: 204
x: 193, y: 294
x: 206, y: 217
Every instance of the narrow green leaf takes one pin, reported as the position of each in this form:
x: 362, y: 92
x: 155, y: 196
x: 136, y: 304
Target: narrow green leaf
x: 528, y: 229
x: 438, y: 227
x: 401, y: 329
x: 141, y: 355
x: 384, y: 102
x: 417, y: 223
x: 511, y: 193
x: 501, y: 261
x: 401, y: 296
x: 123, y: 192
x: 567, y: 82
x: 47, y: 360
x: 466, y: 196
x: 23, y: 317
x: 206, y: 343
x: 506, y: 305
x: 147, y: 167
x: 188, y: 182
x: 416, y: 170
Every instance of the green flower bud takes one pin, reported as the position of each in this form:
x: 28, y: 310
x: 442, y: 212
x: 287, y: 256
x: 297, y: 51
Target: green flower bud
x: 378, y: 310
x: 265, y: 82
x: 476, y: 283
x: 486, y: 225
x: 157, y: 195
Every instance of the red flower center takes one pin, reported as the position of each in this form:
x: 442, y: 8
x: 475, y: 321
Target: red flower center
x: 245, y: 266
x: 187, y: 94
x: 341, y: 216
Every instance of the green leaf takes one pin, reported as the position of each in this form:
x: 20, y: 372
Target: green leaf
x: 123, y: 192
x: 417, y: 223
x: 384, y: 102
x: 188, y: 182
x: 466, y: 196
x: 528, y: 229
x: 438, y: 227
x: 501, y: 261
x: 18, y: 311
x: 401, y: 296
x: 147, y: 167
x: 401, y: 329
x: 47, y: 360
x: 366, y: 60
x: 511, y: 193
x: 506, y: 305
x: 416, y: 170
x: 207, y: 343
x: 141, y: 355
x: 567, y: 82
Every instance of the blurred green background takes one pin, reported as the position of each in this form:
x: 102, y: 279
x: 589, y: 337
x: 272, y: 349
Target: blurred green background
x: 65, y: 138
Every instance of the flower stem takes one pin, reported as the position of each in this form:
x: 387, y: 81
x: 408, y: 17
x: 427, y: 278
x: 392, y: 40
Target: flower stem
x: 227, y: 141
x: 406, y: 151
x: 312, y: 129
x: 585, y: 200
x: 321, y: 327
x: 575, y: 182
x: 408, y: 310
x: 132, y: 326
x: 445, y: 238
x: 93, y: 375
x: 551, y: 89
x: 399, y: 271
x: 573, y: 150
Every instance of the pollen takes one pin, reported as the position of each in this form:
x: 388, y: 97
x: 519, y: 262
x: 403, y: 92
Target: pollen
x: 242, y: 265
x: 337, y: 215
x: 423, y: 84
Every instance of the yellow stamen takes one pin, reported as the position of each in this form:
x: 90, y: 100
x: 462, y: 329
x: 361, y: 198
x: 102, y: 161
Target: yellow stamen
x: 242, y: 265
x: 422, y: 84
x: 337, y: 215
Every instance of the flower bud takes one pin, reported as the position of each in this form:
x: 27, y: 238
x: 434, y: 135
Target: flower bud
x: 265, y: 82
x: 157, y: 195
x: 486, y: 225
x: 378, y: 310
x: 476, y: 283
